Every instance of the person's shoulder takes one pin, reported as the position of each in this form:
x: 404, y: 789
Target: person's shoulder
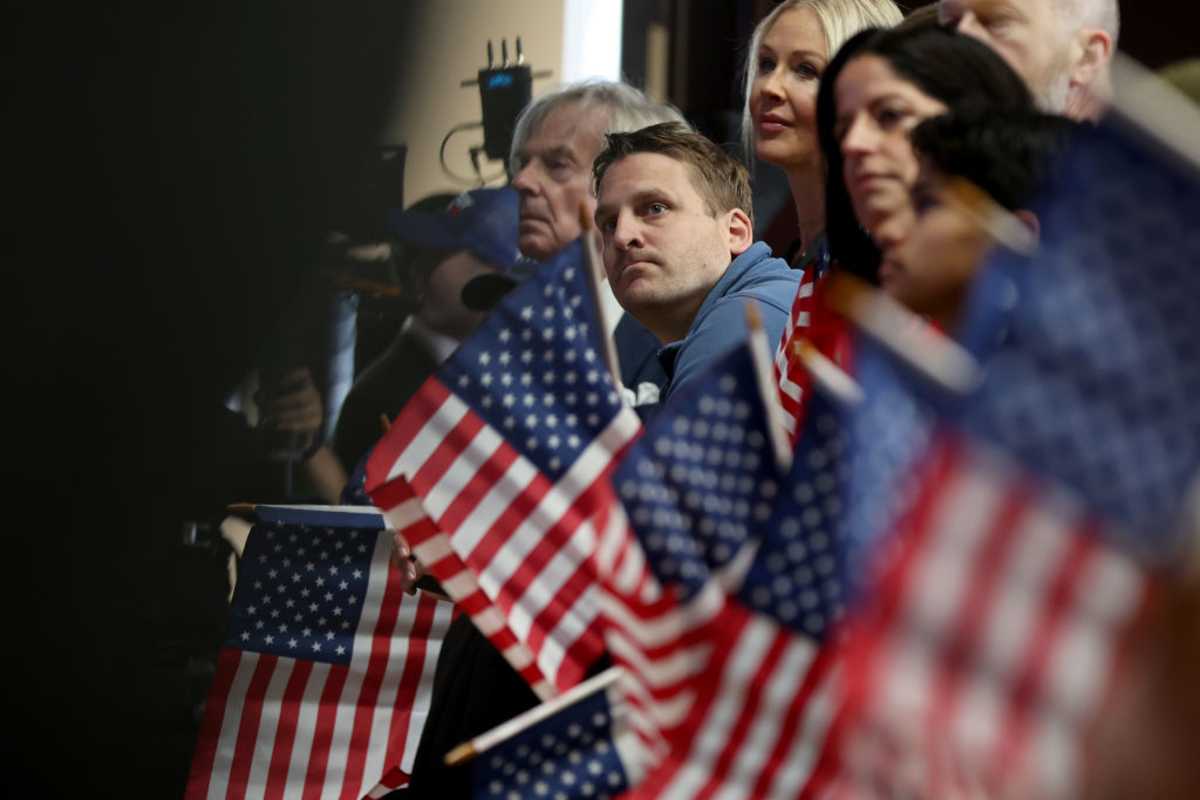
x: 767, y: 279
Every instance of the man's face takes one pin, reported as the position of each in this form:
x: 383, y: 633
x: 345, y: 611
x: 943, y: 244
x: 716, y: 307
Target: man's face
x: 554, y: 178
x: 1027, y: 33
x: 931, y: 269
x: 664, y: 250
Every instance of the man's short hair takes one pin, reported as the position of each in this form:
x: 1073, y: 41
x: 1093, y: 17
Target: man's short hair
x: 628, y: 109
x: 1102, y: 14
x: 720, y: 178
x: 1010, y: 155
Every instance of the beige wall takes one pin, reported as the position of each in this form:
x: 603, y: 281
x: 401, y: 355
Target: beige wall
x: 446, y: 42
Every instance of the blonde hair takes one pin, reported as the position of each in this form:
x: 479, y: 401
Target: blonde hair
x: 839, y: 20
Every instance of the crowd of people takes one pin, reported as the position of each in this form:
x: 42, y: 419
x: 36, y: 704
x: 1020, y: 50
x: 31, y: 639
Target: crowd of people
x: 893, y: 133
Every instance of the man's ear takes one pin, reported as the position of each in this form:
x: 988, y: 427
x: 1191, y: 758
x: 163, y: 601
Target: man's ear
x: 740, y: 231
x: 1030, y: 220
x: 1092, y: 51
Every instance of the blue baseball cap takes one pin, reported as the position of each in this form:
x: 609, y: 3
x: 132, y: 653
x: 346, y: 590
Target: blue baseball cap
x: 483, y: 221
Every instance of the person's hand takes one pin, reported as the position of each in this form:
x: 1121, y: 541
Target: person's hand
x: 410, y: 569
x: 293, y: 406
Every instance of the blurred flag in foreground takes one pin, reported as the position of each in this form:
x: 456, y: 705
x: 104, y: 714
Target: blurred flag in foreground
x: 324, y: 681
x: 509, y: 447
x: 587, y: 750
x: 1092, y: 348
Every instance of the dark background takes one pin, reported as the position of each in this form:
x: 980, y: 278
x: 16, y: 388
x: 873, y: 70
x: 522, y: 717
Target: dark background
x: 167, y: 173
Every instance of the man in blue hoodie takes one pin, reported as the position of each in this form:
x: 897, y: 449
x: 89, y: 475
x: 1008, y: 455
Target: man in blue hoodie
x: 675, y: 213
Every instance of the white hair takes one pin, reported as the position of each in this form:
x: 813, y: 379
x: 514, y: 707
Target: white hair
x: 629, y: 109
x: 1102, y: 14
x: 839, y: 20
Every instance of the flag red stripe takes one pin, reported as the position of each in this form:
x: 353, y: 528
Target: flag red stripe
x: 439, y: 462
x: 410, y: 679
x: 490, y: 473
x: 499, y: 533
x: 327, y: 710
x: 1024, y: 696
x: 870, y: 633
x: 368, y: 693
x: 964, y: 633
x: 813, y: 678
x: 750, y: 710
x: 243, y: 753
x: 404, y: 429
x: 210, y: 729
x: 285, y: 733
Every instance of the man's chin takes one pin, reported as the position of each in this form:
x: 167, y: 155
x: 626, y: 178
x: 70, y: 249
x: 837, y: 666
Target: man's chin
x: 537, y: 246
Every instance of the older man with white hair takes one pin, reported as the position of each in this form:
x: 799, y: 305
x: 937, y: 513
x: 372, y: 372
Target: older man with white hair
x: 1062, y: 48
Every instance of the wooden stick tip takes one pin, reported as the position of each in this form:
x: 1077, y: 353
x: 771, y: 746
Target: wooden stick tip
x: 585, y: 218
x: 753, y: 317
x: 385, y: 423
x: 464, y: 752
x: 242, y: 509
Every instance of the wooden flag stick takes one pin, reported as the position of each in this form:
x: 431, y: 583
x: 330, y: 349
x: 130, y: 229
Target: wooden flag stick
x: 996, y: 220
x: 505, y: 731
x: 1156, y: 107
x: 764, y: 370
x: 828, y: 376
x: 908, y: 336
x: 385, y: 424
x: 595, y: 268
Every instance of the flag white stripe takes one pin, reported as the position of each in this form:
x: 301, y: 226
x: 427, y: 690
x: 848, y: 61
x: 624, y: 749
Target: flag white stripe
x: 385, y: 705
x: 443, y: 615
x: 768, y: 718
x: 708, y: 742
x: 347, y: 707
x: 809, y: 742
x: 232, y: 721
x: 569, y: 629
x: 264, y: 743
x: 429, y: 438
x: 462, y: 471
x: 306, y: 728
x: 500, y: 496
x: 1010, y: 622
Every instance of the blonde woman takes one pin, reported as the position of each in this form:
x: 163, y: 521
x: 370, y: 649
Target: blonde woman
x: 788, y: 53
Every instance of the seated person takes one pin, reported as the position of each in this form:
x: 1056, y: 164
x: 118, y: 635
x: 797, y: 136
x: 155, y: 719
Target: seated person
x: 444, y: 249
x: 675, y: 215
x: 1006, y: 157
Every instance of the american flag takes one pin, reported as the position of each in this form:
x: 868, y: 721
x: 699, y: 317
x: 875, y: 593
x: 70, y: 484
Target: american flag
x: 587, y: 751
x: 509, y: 447
x: 991, y: 639
x: 1092, y: 349
x: 810, y: 319
x: 695, y: 488
x: 744, y: 686
x: 324, y: 681
x: 763, y: 700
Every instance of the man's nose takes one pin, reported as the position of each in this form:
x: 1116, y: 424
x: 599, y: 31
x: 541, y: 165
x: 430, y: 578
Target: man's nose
x: 970, y: 25
x: 626, y: 232
x: 525, y: 181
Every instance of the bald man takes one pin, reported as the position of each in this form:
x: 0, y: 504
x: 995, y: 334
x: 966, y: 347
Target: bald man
x: 1062, y: 48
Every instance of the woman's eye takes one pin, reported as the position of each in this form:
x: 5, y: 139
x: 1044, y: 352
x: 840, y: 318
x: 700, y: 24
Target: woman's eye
x: 889, y: 118
x: 654, y: 209
x: 765, y: 65
x: 806, y: 70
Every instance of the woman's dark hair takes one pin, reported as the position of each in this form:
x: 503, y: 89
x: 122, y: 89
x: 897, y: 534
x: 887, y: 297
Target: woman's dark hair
x: 1008, y: 155
x: 957, y: 70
